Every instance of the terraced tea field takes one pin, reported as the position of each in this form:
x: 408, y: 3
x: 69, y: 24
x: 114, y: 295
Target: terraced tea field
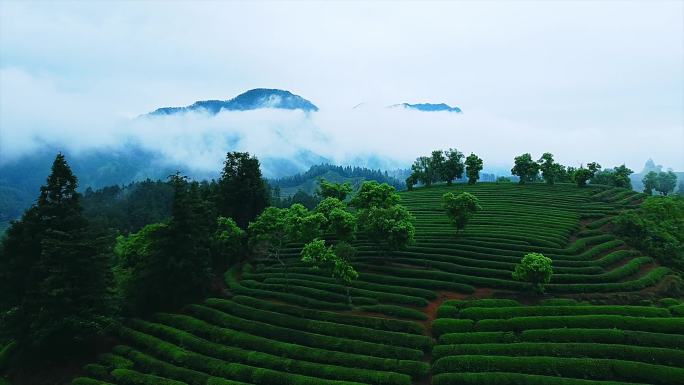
x: 501, y: 342
x: 409, y: 321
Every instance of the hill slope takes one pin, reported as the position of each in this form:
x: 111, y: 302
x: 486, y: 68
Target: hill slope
x: 295, y: 326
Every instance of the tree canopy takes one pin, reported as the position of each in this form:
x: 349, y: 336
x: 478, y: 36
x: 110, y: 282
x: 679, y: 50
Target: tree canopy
x: 525, y: 168
x: 242, y: 192
x: 473, y: 167
x: 460, y: 208
x: 536, y: 269
x: 54, y: 274
x: 334, y: 190
x: 656, y: 228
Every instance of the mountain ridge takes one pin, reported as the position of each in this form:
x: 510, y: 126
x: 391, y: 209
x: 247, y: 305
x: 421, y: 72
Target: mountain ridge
x: 250, y: 100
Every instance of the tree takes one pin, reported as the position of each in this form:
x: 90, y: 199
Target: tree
x: 268, y: 234
x: 274, y: 228
x: 333, y: 190
x: 410, y: 182
x: 54, y: 275
x: 374, y: 194
x: 536, y: 269
x: 621, y: 177
x: 227, y: 242
x: 549, y: 168
x: 177, y: 269
x: 437, y: 166
x: 389, y: 228
x: 656, y: 228
x: 665, y: 182
x: 650, y: 182
x: 422, y: 170
x: 473, y: 167
x: 336, y: 261
x: 582, y: 175
x: 242, y: 192
x: 460, y: 208
x: 338, y: 219
x: 453, y: 165
x: 526, y: 168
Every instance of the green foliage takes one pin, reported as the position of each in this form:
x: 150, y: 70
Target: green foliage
x: 650, y: 182
x: 423, y: 171
x: 227, y: 242
x: 339, y: 265
x: 536, y: 269
x: 242, y: 192
x: 460, y: 208
x: 54, y: 275
x: 582, y: 175
x: 616, y: 177
x: 525, y: 168
x: 334, y: 190
x: 318, y: 255
x: 551, y: 171
x: 338, y: 219
x: 656, y: 228
x: 177, y: 264
x: 268, y: 234
x: 374, y: 194
x: 388, y: 228
x: 473, y: 165
x: 129, y: 208
x: 453, y: 165
x: 666, y: 182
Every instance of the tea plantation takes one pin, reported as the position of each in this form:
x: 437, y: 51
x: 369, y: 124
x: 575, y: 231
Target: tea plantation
x: 443, y: 311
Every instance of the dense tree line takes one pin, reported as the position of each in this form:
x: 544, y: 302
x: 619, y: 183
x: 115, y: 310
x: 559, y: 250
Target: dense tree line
x: 344, y: 171
x: 546, y: 169
x: 64, y: 280
x: 444, y: 166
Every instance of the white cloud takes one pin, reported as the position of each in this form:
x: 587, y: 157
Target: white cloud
x: 587, y: 81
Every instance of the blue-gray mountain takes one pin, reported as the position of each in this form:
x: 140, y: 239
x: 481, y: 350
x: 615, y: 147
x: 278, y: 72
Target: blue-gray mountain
x: 250, y: 100
x: 429, y: 107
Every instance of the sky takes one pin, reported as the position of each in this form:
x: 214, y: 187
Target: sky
x: 587, y: 81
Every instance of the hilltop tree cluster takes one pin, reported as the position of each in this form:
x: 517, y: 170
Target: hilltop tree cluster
x: 444, y: 166
x: 662, y: 182
x: 546, y: 169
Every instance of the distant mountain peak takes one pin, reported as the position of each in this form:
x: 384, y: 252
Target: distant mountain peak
x: 250, y: 100
x: 429, y: 107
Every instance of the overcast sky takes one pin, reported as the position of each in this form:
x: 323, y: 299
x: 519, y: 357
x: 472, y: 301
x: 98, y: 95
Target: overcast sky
x: 585, y: 80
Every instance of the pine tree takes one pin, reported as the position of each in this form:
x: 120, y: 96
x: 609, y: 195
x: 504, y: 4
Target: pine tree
x: 242, y: 192
x: 64, y: 300
x: 176, y: 267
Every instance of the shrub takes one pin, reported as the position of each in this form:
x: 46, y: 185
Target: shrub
x: 285, y: 349
x: 598, y: 369
x: 662, y: 356
x: 131, y: 377
x: 660, y: 325
x: 499, y: 378
x: 378, y: 323
x: 445, y: 325
x: 477, y: 313
x: 395, y: 311
x: 322, y: 327
x: 303, y: 338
